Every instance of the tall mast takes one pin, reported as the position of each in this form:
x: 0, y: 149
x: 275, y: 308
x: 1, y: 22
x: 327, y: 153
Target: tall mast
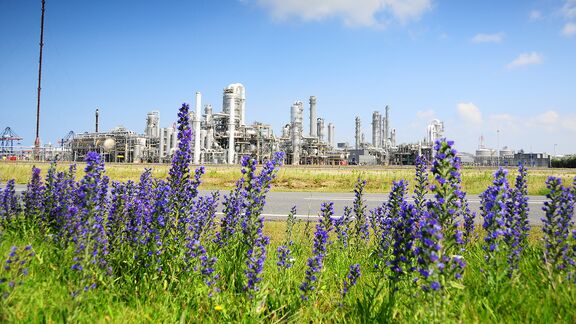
x: 37, y: 141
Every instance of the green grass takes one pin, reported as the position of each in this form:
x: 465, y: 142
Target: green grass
x: 530, y: 296
x: 302, y: 178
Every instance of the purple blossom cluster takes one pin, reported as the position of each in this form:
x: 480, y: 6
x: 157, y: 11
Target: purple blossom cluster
x: 361, y: 226
x: 284, y: 252
x: 496, y: 214
x: 14, y: 269
x: 428, y: 252
x: 559, y: 210
x: 9, y: 205
x: 33, y: 197
x: 316, y: 262
x: 403, y: 219
x: 255, y: 188
x: 351, y: 279
x: 342, y: 226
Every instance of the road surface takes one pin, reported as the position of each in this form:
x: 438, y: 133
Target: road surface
x: 278, y: 204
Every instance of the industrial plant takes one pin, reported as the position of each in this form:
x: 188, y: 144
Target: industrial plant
x: 223, y: 137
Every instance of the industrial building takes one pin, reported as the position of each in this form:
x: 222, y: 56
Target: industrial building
x: 223, y: 137
x: 218, y: 137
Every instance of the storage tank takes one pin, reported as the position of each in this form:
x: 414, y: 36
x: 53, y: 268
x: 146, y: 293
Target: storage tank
x: 153, y: 124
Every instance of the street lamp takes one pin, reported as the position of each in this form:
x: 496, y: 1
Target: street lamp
x: 555, y: 150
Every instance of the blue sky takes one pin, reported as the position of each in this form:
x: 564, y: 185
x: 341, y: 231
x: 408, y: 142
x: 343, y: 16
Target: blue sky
x: 479, y: 66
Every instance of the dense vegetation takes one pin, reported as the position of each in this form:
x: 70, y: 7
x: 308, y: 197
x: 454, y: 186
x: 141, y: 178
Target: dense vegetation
x: 564, y: 162
x: 154, y: 250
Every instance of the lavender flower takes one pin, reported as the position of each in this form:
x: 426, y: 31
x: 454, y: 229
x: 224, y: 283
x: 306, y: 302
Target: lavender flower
x: 351, y: 279
x: 90, y: 237
x: 316, y: 263
x: 285, y: 259
x: 9, y: 204
x: 496, y: 214
x: 428, y: 252
x: 14, y: 269
x: 519, y: 225
x: 403, y: 220
x: 557, y: 222
x: 421, y: 187
x: 342, y: 226
x: 33, y: 197
x: 361, y: 226
x: 447, y: 206
x: 255, y: 189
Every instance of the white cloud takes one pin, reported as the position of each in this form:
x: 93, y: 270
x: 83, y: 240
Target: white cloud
x: 569, y: 9
x: 569, y: 122
x: 549, y: 121
x: 426, y: 114
x: 569, y: 29
x: 525, y: 59
x: 550, y: 117
x: 354, y: 13
x: 469, y: 113
x: 535, y: 15
x: 488, y: 38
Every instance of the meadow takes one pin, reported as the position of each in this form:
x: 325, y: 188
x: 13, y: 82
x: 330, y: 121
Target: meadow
x: 299, y: 178
x: 83, y: 248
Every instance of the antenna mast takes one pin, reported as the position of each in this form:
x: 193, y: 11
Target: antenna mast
x: 37, y: 141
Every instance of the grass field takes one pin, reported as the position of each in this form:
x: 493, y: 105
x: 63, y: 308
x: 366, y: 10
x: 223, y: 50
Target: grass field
x: 303, y: 178
x: 530, y: 296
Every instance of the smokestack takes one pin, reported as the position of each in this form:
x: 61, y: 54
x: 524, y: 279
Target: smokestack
x: 197, y: 116
x: 376, y: 130
x: 331, y: 134
x: 231, y: 130
x: 296, y: 122
x: 387, y: 126
x: 320, y: 129
x: 243, y: 106
x: 358, y: 131
x: 313, y: 125
x: 97, y: 115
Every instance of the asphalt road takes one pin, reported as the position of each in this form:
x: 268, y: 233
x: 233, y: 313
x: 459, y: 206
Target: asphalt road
x: 278, y: 204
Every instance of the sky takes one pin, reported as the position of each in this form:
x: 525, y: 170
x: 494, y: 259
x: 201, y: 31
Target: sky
x: 504, y: 71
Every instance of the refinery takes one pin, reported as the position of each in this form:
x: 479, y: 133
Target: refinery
x: 223, y: 137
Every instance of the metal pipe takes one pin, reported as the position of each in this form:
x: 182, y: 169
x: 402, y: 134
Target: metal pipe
x: 197, y: 116
x: 331, y: 134
x: 313, y: 125
x: 358, y: 131
x: 376, y: 130
x: 231, y: 129
x: 387, y: 126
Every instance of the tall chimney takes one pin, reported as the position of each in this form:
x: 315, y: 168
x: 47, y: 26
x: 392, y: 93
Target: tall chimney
x: 358, y: 136
x: 331, y: 134
x: 197, y: 117
x: 231, y: 130
x: 97, y: 115
x: 387, y: 127
x: 376, y: 130
x: 313, y: 125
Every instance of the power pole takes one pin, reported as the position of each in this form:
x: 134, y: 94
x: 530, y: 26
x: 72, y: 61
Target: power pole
x: 37, y: 141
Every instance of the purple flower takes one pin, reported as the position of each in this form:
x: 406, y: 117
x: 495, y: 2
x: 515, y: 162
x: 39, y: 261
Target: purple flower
x: 342, y: 226
x: 316, y: 263
x: 33, y: 197
x: 557, y: 223
x: 496, y: 214
x: 421, y: 187
x: 361, y: 226
x: 351, y: 279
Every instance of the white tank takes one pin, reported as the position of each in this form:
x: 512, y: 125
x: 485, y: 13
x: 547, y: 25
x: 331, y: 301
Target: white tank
x: 483, y: 152
x: 108, y: 144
